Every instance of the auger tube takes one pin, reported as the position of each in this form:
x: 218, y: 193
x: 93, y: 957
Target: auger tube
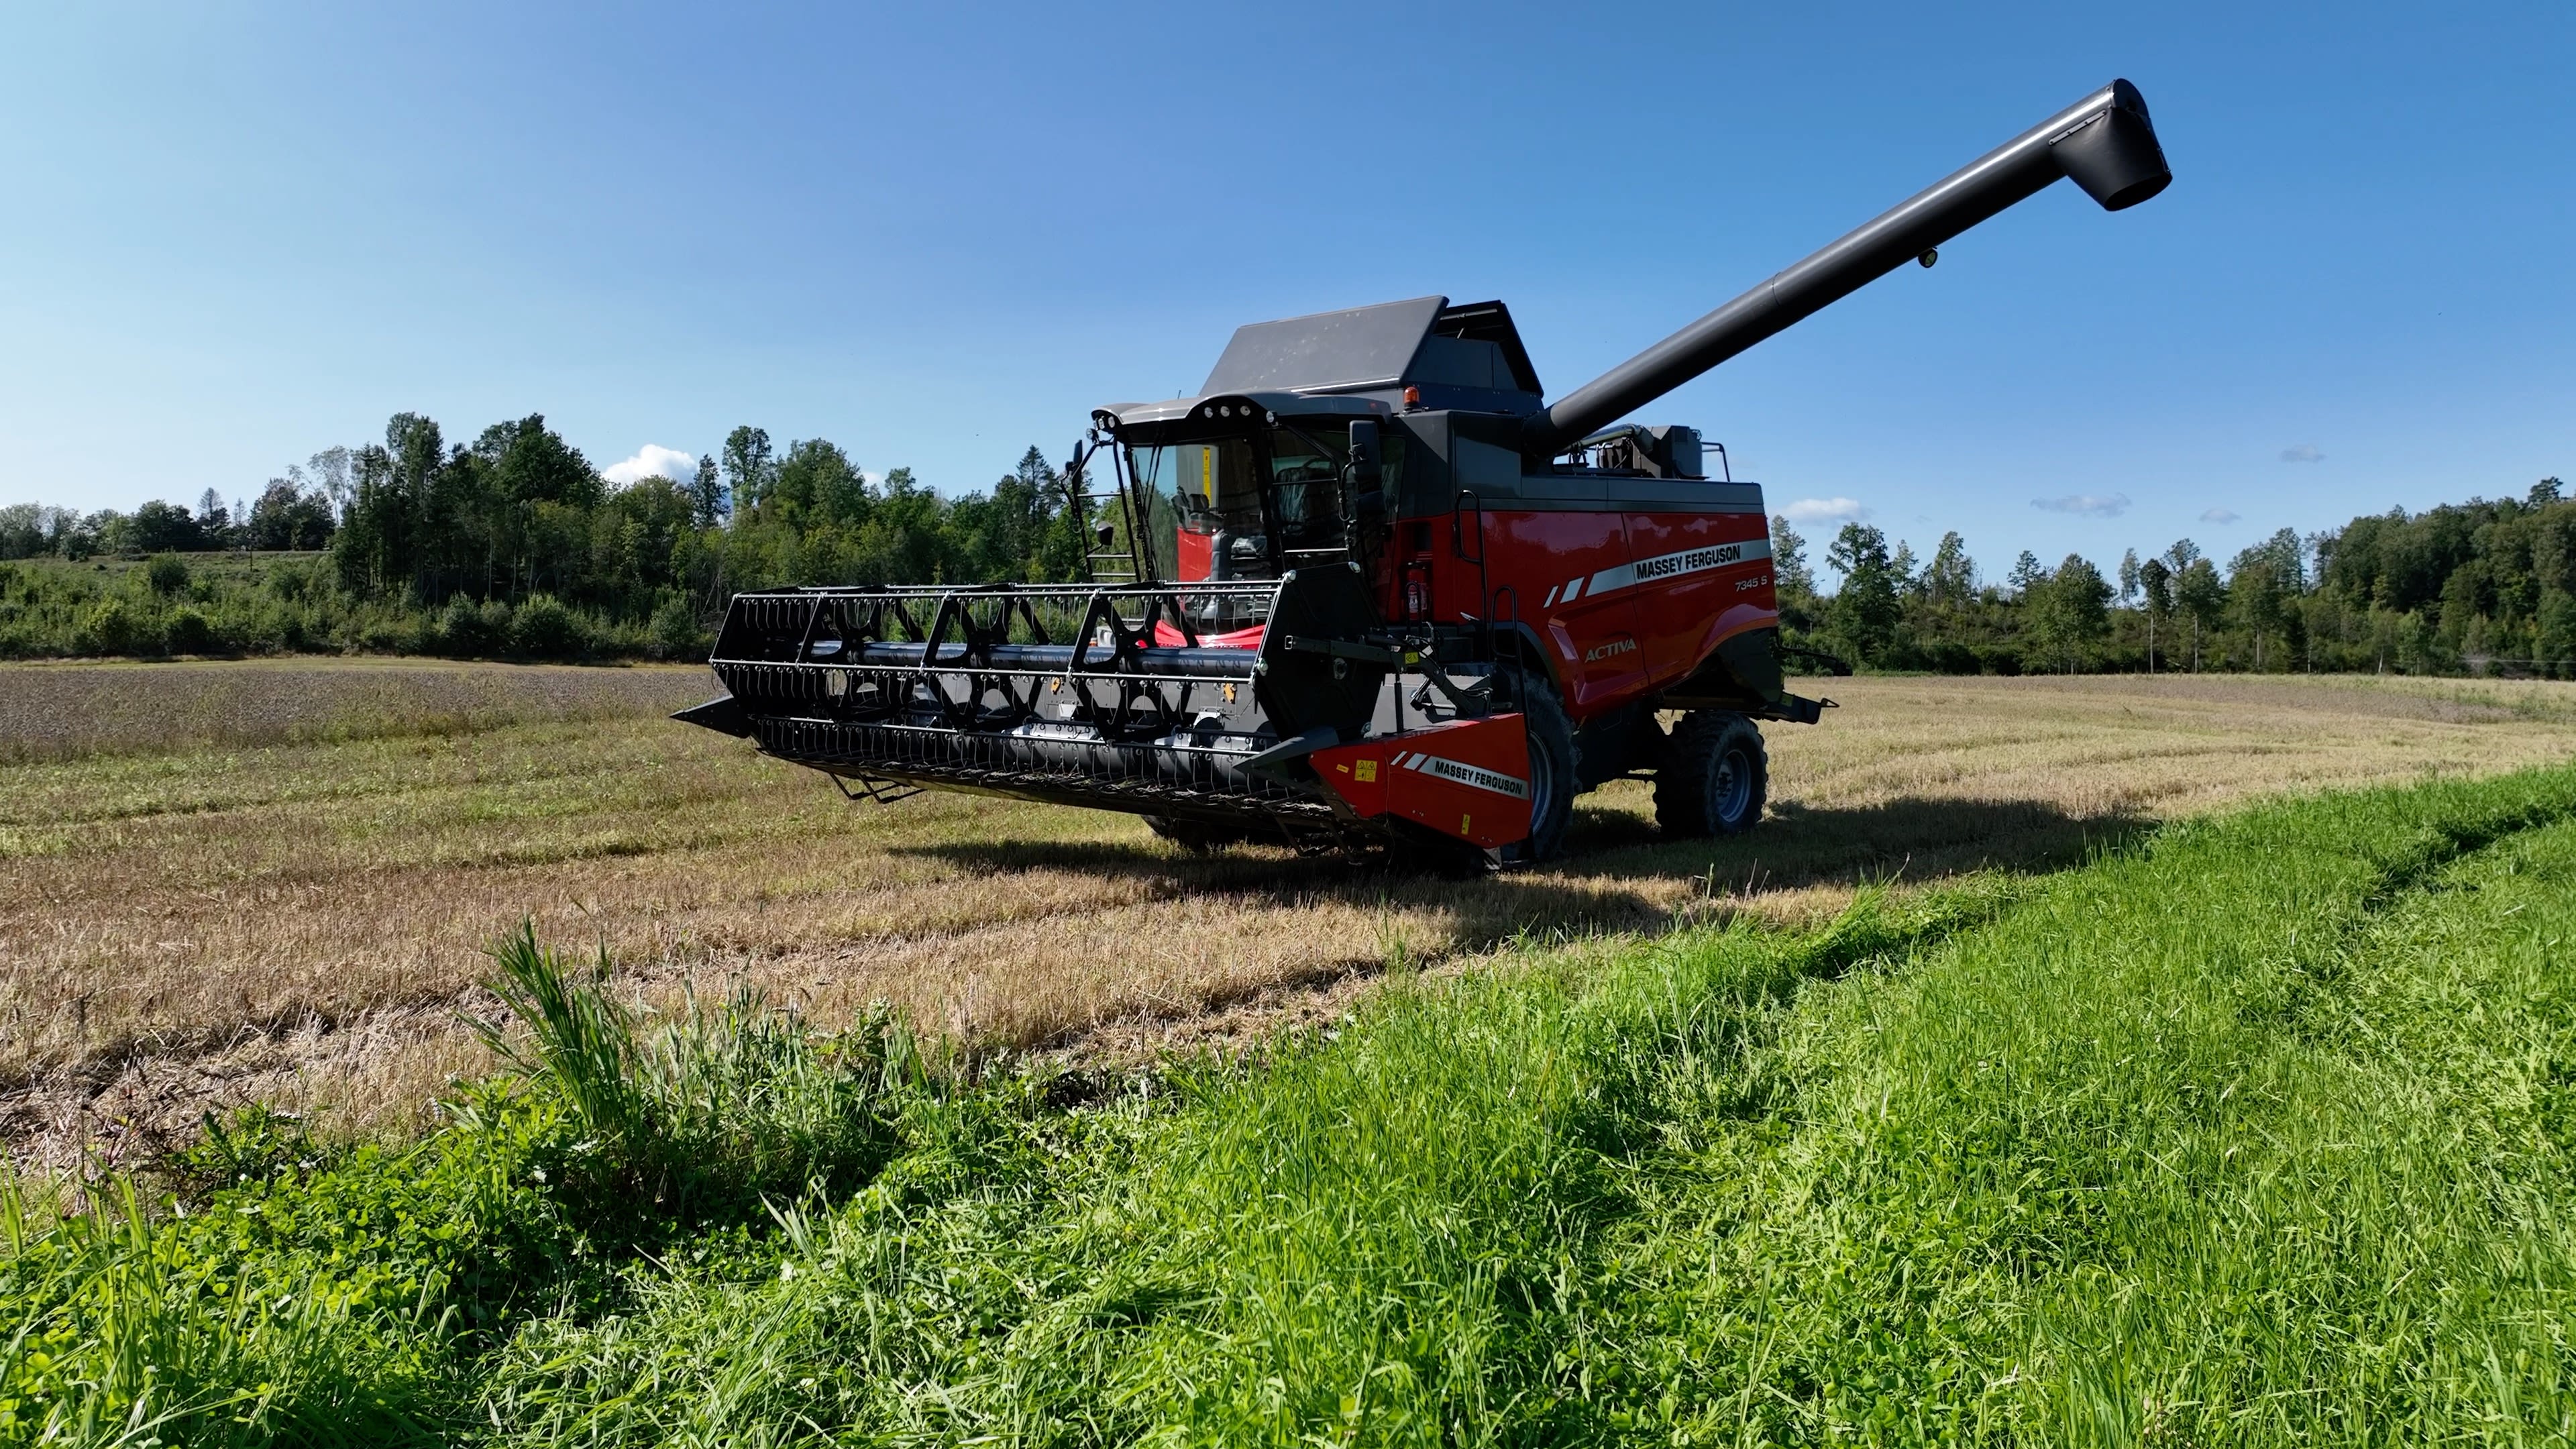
x: 2104, y: 143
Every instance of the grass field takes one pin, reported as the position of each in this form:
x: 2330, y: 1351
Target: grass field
x: 2256, y: 1129
x: 273, y: 880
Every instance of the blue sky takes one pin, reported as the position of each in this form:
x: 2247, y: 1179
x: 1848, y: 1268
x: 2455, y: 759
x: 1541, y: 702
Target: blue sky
x: 937, y: 234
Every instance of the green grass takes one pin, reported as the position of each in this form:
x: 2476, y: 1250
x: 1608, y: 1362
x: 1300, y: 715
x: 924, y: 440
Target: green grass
x: 2257, y: 1132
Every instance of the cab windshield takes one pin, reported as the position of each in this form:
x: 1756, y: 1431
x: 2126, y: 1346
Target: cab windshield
x: 1247, y: 506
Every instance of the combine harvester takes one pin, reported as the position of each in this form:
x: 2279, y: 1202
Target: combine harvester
x: 1369, y: 588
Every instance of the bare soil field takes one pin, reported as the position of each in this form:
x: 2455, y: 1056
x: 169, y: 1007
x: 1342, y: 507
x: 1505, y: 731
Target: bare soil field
x: 273, y: 880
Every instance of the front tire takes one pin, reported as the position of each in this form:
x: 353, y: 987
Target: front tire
x: 1555, y: 768
x: 1555, y: 778
x: 1715, y: 776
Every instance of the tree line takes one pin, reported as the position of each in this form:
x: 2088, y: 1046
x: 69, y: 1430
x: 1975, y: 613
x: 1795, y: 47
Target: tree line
x: 2486, y: 586
x: 514, y: 544
x: 510, y: 544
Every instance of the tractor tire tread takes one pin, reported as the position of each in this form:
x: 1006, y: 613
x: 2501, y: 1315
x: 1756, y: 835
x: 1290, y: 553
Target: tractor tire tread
x: 1548, y: 724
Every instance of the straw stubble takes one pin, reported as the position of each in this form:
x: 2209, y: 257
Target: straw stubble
x: 200, y: 916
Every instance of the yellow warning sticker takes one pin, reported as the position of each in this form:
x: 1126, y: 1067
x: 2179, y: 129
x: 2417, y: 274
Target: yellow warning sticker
x: 1466, y: 824
x: 1367, y: 770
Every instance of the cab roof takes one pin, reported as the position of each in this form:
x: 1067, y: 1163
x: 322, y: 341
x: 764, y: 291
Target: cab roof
x: 1467, y: 356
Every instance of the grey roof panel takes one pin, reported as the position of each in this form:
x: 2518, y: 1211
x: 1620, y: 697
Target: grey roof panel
x: 1360, y: 347
x: 1286, y: 404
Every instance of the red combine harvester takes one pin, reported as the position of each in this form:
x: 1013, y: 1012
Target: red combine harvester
x: 1369, y: 587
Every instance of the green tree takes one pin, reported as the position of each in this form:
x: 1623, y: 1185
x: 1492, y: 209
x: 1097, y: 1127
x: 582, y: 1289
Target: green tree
x: 1793, y: 583
x: 214, y: 521
x: 289, y: 517
x: 2069, y: 610
x: 2258, y: 599
x: 2419, y: 644
x: 159, y: 527
x: 707, y: 494
x: 2203, y: 597
x: 2156, y: 601
x: 1865, y: 609
x: 31, y: 529
x: 2026, y: 574
x: 747, y: 465
x: 1789, y: 571
x: 2383, y: 639
x: 2264, y: 585
x: 1950, y: 580
x: 331, y: 475
x: 815, y: 486
x: 2555, y: 645
x: 389, y: 513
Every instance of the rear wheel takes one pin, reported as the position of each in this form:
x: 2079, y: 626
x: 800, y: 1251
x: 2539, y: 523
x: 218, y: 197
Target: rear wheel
x: 1714, y: 776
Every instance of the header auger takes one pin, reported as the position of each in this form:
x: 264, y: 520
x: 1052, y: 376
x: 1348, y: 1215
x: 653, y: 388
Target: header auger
x: 1368, y: 587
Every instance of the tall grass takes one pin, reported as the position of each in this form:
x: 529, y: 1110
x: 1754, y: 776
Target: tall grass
x: 2133, y: 1161
x: 2256, y: 1133
x: 716, y: 1107
x: 287, y: 1290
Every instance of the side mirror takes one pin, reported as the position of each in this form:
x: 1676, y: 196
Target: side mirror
x: 1366, y: 475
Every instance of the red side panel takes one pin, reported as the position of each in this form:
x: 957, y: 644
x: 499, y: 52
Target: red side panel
x: 1358, y: 774
x: 1699, y: 577
x: 1549, y: 560
x: 1469, y: 778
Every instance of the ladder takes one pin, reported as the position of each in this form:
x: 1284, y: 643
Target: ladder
x: 1116, y: 541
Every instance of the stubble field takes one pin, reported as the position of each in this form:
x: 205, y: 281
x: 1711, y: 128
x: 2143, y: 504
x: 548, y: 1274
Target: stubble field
x: 274, y: 880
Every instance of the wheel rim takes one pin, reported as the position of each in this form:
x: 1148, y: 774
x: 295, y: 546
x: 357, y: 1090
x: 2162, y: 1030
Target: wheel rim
x: 1730, y: 788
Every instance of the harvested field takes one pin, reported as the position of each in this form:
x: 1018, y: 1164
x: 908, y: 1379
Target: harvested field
x: 294, y: 910
x: 65, y: 711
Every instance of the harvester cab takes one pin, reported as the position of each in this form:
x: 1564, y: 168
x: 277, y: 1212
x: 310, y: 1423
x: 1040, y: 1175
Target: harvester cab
x: 1370, y: 587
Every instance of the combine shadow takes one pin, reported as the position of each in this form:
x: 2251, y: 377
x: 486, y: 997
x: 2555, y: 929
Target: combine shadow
x: 1796, y: 846
x: 1618, y: 873
x: 1480, y: 910
x: 1141, y: 860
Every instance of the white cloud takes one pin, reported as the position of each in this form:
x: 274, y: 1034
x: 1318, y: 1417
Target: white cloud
x: 2091, y: 505
x: 653, y: 461
x: 2304, y: 453
x: 2219, y: 515
x: 1823, y: 510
